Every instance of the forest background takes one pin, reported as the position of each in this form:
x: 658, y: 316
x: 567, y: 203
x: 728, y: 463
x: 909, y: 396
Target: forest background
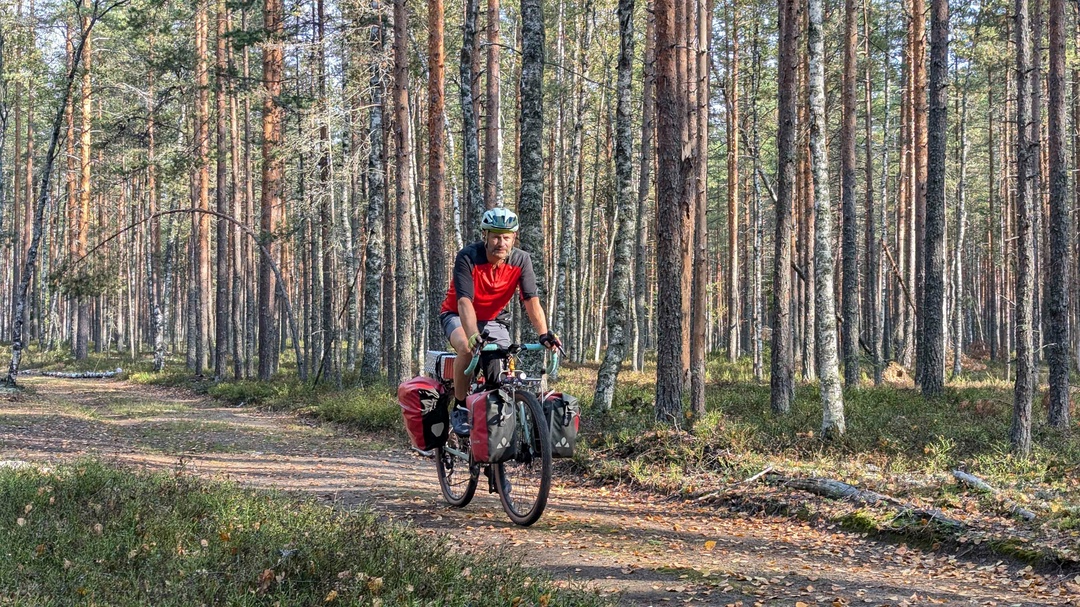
x: 258, y: 187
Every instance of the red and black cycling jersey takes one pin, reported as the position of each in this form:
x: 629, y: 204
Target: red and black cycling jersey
x: 489, y: 287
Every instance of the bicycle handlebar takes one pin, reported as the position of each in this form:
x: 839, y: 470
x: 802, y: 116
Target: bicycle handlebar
x: 492, y: 347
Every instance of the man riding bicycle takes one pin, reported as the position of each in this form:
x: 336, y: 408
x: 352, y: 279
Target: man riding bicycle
x: 485, y: 276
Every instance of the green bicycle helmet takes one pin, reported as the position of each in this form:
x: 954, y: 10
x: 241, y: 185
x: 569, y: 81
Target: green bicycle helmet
x: 499, y: 220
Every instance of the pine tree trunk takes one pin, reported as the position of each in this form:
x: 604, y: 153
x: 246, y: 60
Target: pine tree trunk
x: 405, y: 294
x: 783, y: 358
x: 1062, y: 235
x: 669, y: 380
x: 699, y: 293
x: 371, y: 365
x: 221, y: 302
x: 271, y: 186
x: 82, y: 335
x: 618, y: 310
x: 1026, y: 160
x: 874, y: 310
x: 849, y: 250
x: 436, y: 226
x: 919, y: 119
x: 202, y: 190
x: 828, y: 368
x: 932, y: 365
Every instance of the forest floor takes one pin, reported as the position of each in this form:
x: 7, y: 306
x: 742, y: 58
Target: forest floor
x: 636, y: 547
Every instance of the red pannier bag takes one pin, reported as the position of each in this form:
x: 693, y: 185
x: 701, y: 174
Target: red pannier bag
x: 423, y: 407
x: 564, y: 420
x: 491, y: 414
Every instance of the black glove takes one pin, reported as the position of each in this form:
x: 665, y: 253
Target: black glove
x: 550, y: 340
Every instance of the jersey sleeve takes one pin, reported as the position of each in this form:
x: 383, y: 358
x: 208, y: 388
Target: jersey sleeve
x: 527, y: 282
x: 463, y: 276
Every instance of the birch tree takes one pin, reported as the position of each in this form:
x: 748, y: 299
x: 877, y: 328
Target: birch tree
x: 832, y: 401
x: 619, y: 297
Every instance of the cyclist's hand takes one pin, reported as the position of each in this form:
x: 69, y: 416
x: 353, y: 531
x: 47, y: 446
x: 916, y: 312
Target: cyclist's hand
x: 475, y: 341
x: 550, y: 341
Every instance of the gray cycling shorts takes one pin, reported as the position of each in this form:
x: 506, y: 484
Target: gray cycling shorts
x: 495, y: 329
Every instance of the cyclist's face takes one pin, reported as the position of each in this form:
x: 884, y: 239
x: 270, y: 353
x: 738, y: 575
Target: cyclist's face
x: 498, y: 246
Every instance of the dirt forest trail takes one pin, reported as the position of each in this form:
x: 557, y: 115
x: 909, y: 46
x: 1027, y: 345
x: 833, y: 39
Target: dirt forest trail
x: 637, y: 548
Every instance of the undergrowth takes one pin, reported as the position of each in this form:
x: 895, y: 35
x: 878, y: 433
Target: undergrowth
x: 88, y: 534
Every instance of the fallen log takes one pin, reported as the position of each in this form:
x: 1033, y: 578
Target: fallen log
x: 973, y: 481
x: 838, y: 490
x: 83, y: 374
x: 833, y: 489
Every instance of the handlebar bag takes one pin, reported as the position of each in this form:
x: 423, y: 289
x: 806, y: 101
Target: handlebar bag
x: 424, y: 411
x: 491, y: 414
x: 564, y: 420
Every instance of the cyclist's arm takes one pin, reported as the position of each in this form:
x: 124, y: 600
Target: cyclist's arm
x: 467, y: 314
x: 536, y: 315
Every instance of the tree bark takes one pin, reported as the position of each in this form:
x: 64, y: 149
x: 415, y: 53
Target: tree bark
x: 1026, y: 161
x: 699, y: 292
x: 272, y: 178
x: 436, y: 226
x: 618, y: 310
x: 82, y: 335
x: 202, y: 190
x: 875, y: 320
x: 648, y: 131
x: 531, y: 156
x: 474, y: 195
x: 371, y: 365
x: 221, y: 302
x: 404, y: 273
x: 932, y: 365
x: 1061, y: 226
x: 669, y: 380
x: 492, y: 138
x: 961, y: 225
x: 919, y: 130
x: 783, y: 358
x: 832, y: 400
x: 849, y: 251
x: 733, y: 193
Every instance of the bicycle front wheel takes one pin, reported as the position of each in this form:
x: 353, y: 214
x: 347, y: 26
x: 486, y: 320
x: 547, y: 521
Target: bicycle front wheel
x: 524, y: 481
x: 457, y: 477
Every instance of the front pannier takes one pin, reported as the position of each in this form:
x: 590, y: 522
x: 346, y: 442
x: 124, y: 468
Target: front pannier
x: 564, y: 419
x: 425, y: 413
x: 492, y: 436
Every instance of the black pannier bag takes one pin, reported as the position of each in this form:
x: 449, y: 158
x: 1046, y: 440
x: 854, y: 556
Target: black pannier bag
x: 564, y: 419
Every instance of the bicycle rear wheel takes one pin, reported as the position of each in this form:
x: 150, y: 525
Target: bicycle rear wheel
x: 457, y: 474
x: 523, y: 482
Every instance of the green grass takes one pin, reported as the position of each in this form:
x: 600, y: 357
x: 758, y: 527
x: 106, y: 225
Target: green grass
x: 86, y: 534
x: 890, y: 430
